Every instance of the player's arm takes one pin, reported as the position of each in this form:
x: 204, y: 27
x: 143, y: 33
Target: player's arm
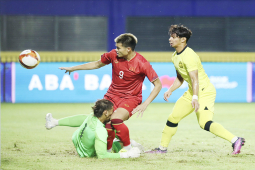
x: 142, y: 107
x: 86, y: 66
x: 101, y: 149
x: 177, y: 83
x: 195, y: 87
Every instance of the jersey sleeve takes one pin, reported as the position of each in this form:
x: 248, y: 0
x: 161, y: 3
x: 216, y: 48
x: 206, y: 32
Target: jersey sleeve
x: 191, y: 61
x: 107, y: 58
x: 149, y: 72
x: 101, y: 145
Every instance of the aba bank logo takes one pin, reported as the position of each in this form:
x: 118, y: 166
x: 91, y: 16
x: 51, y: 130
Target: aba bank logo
x: 222, y: 82
x: 53, y: 82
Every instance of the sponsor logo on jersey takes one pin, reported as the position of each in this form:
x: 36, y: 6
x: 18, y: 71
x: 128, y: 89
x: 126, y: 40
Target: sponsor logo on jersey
x: 126, y: 105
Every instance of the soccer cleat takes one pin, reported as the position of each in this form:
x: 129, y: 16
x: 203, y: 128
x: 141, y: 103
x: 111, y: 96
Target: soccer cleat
x: 238, y: 145
x: 156, y: 150
x: 138, y: 145
x: 50, y: 121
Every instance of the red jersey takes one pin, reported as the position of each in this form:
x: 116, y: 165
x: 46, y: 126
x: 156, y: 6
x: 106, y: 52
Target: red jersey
x: 128, y: 76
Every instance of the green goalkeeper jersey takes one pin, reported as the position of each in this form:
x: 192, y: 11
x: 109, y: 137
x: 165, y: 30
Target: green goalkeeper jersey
x: 90, y: 139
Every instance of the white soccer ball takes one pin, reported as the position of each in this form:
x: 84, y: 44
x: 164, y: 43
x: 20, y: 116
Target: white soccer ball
x: 29, y: 59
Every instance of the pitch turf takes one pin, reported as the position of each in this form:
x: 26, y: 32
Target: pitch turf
x: 26, y: 144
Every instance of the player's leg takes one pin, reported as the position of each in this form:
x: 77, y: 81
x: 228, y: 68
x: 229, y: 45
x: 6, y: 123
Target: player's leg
x: 116, y: 146
x: 205, y: 116
x: 50, y: 121
x: 110, y: 129
x: 76, y: 142
x: 206, y: 123
x: 181, y: 109
x: 117, y: 121
x: 122, y: 113
x: 72, y: 121
x: 111, y: 136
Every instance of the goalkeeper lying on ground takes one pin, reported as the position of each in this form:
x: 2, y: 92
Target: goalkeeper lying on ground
x: 90, y: 139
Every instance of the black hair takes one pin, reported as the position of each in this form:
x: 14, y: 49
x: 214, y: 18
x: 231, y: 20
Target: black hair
x: 100, y: 106
x: 127, y: 40
x: 180, y: 31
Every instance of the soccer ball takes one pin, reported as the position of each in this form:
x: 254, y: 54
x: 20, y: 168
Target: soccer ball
x: 29, y: 59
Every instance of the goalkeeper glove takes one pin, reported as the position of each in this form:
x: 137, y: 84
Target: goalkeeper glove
x: 132, y: 153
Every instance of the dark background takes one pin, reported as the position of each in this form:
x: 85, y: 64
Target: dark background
x: 75, y: 25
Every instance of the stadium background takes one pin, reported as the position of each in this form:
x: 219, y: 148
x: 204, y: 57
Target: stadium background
x: 64, y: 32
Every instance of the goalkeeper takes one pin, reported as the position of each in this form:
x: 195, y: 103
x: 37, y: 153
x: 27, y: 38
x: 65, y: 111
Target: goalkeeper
x: 90, y: 139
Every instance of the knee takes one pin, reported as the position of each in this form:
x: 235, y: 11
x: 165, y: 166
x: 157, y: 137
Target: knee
x: 171, y: 122
x: 173, y: 119
x: 205, y: 125
x: 202, y: 123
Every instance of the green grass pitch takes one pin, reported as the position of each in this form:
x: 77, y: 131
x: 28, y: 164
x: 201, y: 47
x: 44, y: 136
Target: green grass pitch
x: 26, y: 144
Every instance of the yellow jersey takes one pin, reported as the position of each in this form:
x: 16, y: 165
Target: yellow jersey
x: 186, y: 61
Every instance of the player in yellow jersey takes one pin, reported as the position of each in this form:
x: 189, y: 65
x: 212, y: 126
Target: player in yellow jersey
x: 200, y: 96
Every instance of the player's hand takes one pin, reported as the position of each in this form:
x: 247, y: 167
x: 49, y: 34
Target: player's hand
x: 195, y: 104
x: 140, y: 109
x: 132, y: 153
x: 167, y: 94
x: 68, y: 69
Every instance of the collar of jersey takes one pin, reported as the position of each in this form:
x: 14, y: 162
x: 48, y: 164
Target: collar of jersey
x: 132, y: 58
x: 182, y: 50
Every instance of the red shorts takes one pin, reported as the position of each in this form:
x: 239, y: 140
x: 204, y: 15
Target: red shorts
x: 128, y: 104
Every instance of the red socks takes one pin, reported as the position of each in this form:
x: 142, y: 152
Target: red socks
x: 111, y: 135
x: 121, y: 131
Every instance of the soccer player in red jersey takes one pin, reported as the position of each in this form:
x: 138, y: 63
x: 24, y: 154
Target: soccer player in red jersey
x: 129, y: 69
